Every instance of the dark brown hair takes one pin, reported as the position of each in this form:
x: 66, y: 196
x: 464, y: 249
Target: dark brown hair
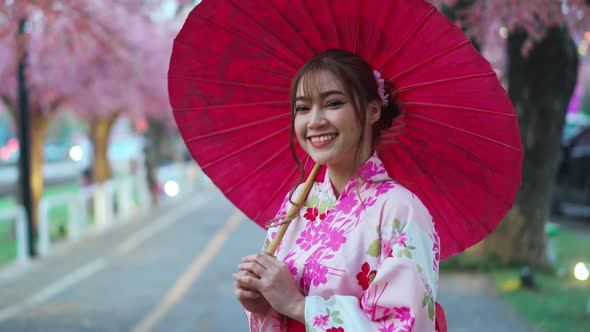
x: 355, y: 76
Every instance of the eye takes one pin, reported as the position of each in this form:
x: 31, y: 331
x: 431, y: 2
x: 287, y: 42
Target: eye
x: 334, y: 104
x: 301, y: 108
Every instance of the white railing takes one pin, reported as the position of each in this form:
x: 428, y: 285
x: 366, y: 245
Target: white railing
x: 17, y: 214
x: 103, y: 197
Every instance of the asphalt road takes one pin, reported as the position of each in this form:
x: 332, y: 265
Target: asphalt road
x: 171, y: 271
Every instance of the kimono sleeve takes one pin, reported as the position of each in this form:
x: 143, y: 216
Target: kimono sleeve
x: 401, y: 290
x: 273, y: 320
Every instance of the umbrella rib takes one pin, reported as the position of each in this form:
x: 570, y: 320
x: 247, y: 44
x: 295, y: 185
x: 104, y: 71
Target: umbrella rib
x: 358, y: 28
x: 334, y: 23
x: 230, y: 130
x: 256, y: 170
x: 445, y: 80
x: 429, y: 59
x: 216, y: 107
x: 440, y: 139
x: 282, y: 184
x: 264, y: 48
x: 244, y: 61
x: 407, y: 38
x: 448, y: 197
x: 276, y: 193
x: 454, y: 107
x: 227, y: 156
x: 200, y: 79
x: 308, y: 15
x: 292, y: 30
x: 380, y: 26
x: 424, y: 196
x: 465, y: 213
x: 410, y: 115
x: 501, y: 199
x: 270, y: 30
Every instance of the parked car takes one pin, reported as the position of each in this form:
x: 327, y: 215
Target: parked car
x: 572, y: 190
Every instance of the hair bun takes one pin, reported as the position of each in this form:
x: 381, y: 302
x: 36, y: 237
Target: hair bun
x: 388, y: 112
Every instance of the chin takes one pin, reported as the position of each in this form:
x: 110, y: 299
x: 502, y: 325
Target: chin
x: 322, y: 159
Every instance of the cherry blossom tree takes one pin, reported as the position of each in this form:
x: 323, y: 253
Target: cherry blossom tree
x: 541, y: 71
x: 130, y: 82
x: 56, y: 34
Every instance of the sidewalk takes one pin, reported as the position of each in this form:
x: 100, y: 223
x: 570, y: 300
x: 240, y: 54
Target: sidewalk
x: 470, y: 304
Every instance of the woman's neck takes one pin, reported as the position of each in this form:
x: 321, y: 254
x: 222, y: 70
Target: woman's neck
x: 339, y: 178
x: 340, y: 175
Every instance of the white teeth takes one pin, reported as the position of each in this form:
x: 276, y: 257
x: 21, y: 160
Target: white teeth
x: 319, y: 139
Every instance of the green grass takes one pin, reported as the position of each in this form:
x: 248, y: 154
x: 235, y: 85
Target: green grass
x: 57, y: 220
x: 7, y: 244
x: 558, y: 303
x: 6, y: 202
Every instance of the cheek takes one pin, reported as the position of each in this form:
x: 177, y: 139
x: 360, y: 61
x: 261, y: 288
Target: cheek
x: 300, y: 129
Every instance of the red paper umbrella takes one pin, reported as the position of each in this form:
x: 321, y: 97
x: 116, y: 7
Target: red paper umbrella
x: 456, y: 144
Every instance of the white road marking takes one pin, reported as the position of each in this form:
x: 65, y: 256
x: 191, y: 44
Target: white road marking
x: 100, y: 263
x: 69, y: 280
x: 57, y: 287
x: 182, y: 285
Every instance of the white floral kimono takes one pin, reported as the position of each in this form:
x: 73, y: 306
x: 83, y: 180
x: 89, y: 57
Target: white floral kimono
x: 368, y: 264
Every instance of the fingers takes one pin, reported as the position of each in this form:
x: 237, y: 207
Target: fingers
x: 265, y: 260
x: 247, y: 295
x: 252, y: 268
x: 250, y: 258
x: 246, y: 273
x: 247, y: 281
x: 258, y: 271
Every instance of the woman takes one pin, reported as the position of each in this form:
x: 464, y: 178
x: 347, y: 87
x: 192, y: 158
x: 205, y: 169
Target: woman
x: 362, y: 254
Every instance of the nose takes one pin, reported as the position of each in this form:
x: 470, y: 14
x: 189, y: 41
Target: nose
x: 316, y: 118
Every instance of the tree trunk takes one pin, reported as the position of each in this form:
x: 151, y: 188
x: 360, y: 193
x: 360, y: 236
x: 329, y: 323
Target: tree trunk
x: 100, y: 130
x: 160, y: 142
x: 39, y: 123
x: 541, y: 86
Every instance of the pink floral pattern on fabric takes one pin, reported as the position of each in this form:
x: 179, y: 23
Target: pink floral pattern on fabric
x: 436, y: 250
x: 355, y: 257
x: 321, y: 320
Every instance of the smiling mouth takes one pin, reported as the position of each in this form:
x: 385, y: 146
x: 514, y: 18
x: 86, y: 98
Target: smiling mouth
x: 322, y: 140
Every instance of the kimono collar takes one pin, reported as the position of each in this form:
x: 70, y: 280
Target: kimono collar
x: 372, y: 170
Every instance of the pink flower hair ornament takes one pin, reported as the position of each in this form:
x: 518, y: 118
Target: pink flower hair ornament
x: 381, y: 88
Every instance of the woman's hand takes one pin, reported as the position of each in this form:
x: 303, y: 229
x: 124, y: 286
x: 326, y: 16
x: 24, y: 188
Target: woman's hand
x: 251, y: 300
x: 273, y: 279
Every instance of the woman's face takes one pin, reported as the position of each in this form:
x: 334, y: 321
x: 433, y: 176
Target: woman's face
x: 326, y: 125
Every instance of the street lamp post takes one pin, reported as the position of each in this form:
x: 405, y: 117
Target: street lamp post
x: 25, y: 141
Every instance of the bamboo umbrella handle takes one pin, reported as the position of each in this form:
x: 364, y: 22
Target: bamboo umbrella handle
x: 294, y: 209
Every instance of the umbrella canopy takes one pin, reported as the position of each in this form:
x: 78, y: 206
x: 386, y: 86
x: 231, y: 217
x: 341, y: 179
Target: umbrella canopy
x: 456, y: 144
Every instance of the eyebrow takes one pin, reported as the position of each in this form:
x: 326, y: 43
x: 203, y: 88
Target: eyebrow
x: 323, y: 95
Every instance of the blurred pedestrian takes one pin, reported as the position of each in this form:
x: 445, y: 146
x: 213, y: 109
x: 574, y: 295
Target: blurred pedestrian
x: 85, y: 177
x: 151, y: 177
